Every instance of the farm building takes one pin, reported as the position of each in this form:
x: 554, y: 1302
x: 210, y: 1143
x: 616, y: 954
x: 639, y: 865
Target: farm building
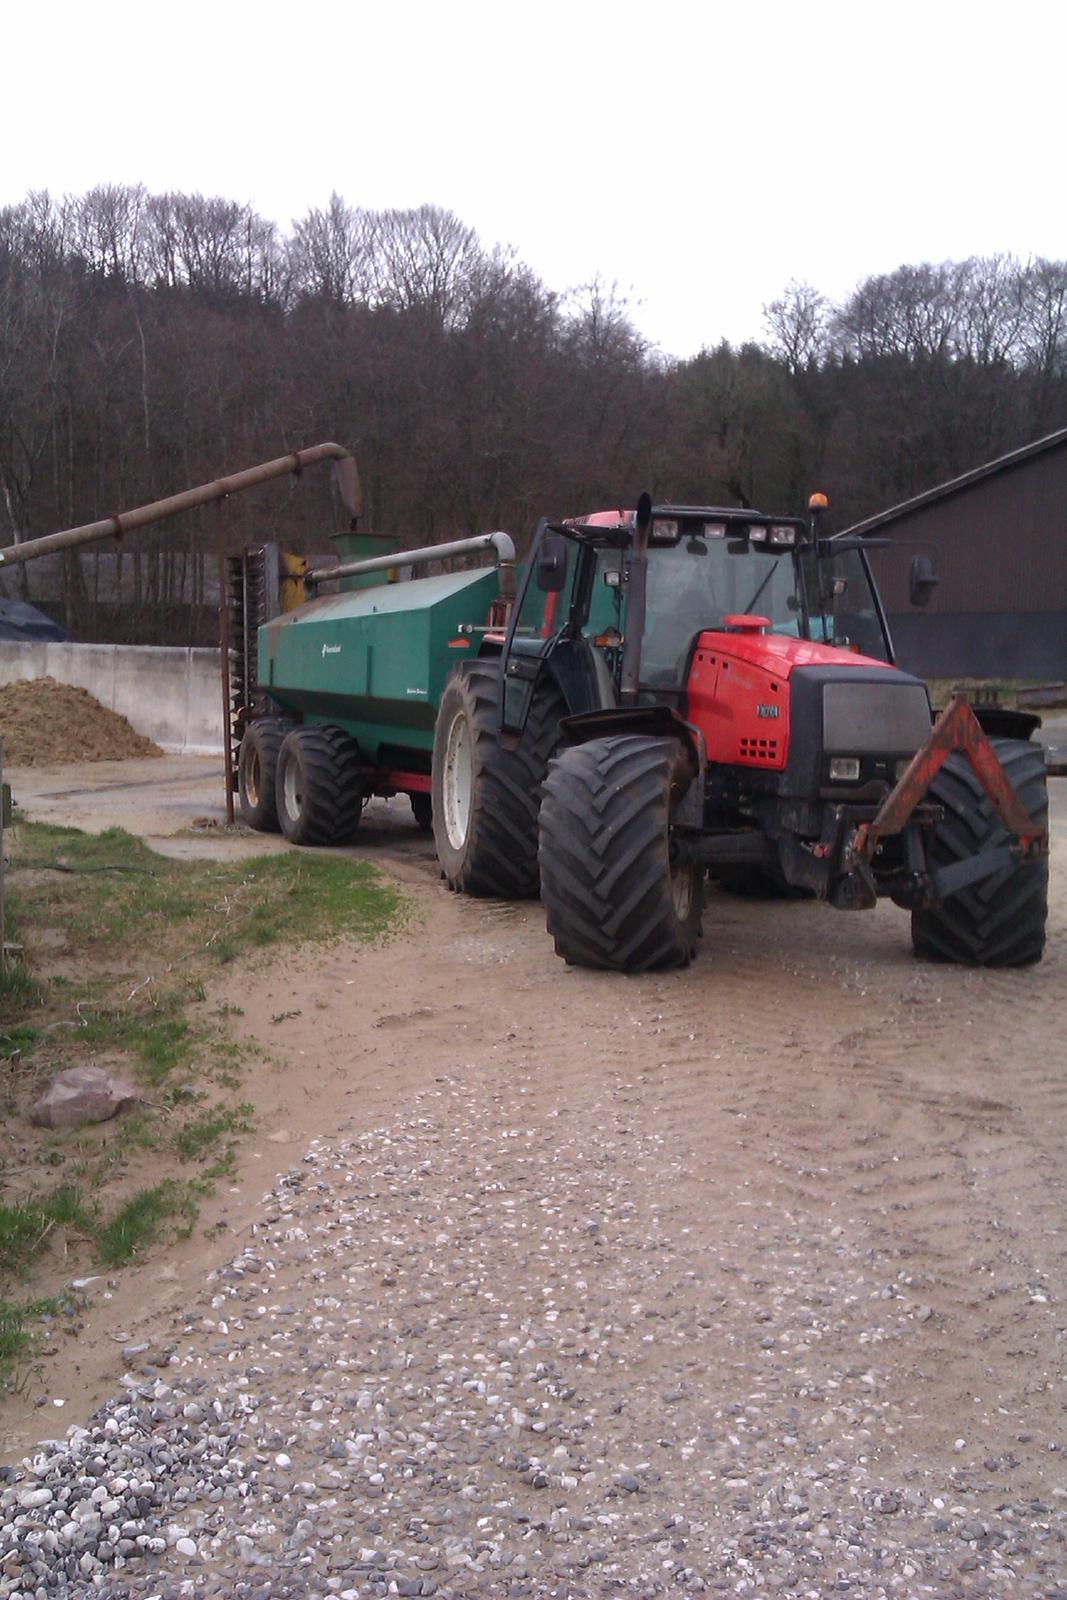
x: 998, y: 536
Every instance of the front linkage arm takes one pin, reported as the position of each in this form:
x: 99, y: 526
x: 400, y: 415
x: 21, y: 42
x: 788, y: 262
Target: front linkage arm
x: 957, y: 728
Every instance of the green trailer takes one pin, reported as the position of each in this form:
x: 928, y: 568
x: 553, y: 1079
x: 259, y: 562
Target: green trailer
x: 348, y: 685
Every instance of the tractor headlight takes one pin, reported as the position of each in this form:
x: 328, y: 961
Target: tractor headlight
x: 844, y: 769
x: 665, y: 530
x: 757, y: 535
x: 783, y: 536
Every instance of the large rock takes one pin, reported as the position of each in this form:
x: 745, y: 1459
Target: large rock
x: 82, y: 1094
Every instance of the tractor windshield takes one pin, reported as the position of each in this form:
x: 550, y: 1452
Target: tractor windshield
x: 696, y: 583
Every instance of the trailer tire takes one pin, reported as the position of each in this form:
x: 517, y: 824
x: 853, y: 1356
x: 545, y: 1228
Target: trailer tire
x: 486, y: 797
x: 257, y: 766
x: 612, y: 896
x: 318, y: 790
x: 999, y: 922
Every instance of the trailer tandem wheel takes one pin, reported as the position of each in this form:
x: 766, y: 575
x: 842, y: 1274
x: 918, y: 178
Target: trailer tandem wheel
x: 1000, y: 921
x: 317, y: 789
x: 486, y: 797
x: 257, y: 767
x: 613, y: 895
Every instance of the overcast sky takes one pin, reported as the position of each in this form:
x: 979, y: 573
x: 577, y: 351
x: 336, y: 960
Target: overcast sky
x: 700, y: 155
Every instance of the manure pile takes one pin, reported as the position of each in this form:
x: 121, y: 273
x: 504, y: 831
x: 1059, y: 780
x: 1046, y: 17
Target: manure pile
x: 44, y: 723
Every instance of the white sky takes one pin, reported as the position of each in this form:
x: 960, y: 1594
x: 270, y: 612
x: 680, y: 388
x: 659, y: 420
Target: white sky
x: 700, y: 155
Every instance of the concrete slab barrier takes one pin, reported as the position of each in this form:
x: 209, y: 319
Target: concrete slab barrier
x: 172, y: 694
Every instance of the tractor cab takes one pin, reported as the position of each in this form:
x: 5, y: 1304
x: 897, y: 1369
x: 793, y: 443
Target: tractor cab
x: 709, y: 569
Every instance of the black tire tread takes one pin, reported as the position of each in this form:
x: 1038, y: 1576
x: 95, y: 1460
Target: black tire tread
x: 501, y: 859
x: 605, y: 877
x: 267, y: 733
x: 333, y: 801
x: 999, y: 922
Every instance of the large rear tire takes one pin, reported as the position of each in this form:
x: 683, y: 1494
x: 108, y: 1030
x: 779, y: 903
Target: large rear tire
x: 257, y: 767
x: 485, y: 797
x: 999, y: 922
x: 317, y: 788
x: 614, y: 898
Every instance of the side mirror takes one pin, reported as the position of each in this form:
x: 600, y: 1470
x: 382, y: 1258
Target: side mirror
x: 552, y: 563
x: 923, y: 580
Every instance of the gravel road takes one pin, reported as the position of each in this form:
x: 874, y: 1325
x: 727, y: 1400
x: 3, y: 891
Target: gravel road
x: 745, y: 1279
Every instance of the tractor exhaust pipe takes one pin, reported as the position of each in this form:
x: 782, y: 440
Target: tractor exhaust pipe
x: 636, y: 592
x: 347, y: 477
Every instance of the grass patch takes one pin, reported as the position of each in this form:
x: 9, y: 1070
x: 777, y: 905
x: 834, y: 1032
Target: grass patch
x: 25, y: 1227
x: 199, y: 1137
x: 134, y: 940
x: 113, y: 895
x: 160, y: 1040
x: 18, y: 991
x: 18, y: 1040
x: 19, y: 1333
x: 140, y: 1221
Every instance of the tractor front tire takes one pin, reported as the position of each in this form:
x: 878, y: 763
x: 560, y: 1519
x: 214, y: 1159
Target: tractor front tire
x: 486, y: 797
x: 613, y: 896
x: 257, y: 767
x: 318, y: 791
x: 1000, y: 921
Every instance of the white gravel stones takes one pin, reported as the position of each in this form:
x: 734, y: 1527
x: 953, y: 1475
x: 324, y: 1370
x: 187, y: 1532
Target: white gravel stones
x: 503, y: 1348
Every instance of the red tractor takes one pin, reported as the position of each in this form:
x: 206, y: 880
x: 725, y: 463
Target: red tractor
x: 684, y: 691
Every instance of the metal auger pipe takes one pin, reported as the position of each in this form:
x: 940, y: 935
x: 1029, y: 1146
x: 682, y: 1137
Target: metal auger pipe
x: 501, y: 543
x: 126, y: 521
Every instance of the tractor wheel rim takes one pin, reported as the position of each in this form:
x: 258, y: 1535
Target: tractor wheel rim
x: 458, y: 781
x: 293, y: 790
x: 252, y: 779
x: 682, y: 890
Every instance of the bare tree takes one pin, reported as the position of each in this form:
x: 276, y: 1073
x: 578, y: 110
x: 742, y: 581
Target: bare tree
x: 798, y: 325
x: 330, y: 254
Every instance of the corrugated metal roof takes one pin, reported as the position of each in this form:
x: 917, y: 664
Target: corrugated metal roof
x: 1012, y: 459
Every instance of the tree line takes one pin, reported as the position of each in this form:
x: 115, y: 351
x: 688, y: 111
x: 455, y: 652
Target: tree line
x: 150, y: 342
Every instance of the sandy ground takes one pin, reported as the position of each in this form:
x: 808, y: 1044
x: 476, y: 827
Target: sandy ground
x: 824, y: 1132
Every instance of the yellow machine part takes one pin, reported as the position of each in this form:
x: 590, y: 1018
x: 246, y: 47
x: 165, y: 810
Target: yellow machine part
x: 291, y: 589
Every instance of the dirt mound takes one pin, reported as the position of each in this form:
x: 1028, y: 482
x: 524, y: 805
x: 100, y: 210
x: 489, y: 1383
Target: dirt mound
x: 43, y: 722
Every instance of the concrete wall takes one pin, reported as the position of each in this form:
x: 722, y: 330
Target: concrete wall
x: 171, y: 694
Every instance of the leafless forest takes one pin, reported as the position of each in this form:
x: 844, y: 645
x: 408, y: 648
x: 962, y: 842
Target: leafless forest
x: 149, y: 342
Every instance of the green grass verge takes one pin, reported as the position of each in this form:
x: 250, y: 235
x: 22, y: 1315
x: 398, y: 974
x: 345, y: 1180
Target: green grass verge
x: 139, y: 1223
x: 25, y: 1227
x: 193, y: 906
x: 20, y: 1330
x: 198, y: 1138
x: 170, y: 923
x: 141, y: 937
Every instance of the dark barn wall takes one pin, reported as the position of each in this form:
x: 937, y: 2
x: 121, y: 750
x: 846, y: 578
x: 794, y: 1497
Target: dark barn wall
x: 1000, y: 609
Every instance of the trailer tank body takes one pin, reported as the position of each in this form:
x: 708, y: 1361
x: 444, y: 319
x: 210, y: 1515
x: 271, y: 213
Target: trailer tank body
x: 374, y: 660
